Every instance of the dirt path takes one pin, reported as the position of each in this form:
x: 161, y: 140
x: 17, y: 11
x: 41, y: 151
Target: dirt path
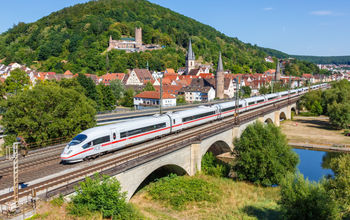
x: 313, y: 130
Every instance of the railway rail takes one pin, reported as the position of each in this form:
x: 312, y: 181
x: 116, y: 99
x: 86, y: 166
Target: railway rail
x: 65, y: 182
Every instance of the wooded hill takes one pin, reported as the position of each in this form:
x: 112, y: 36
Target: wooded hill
x: 76, y: 38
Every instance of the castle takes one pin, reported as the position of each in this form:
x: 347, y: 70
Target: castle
x: 131, y: 44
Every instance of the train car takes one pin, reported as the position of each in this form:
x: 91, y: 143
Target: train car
x: 229, y: 108
x: 98, y: 140
x: 196, y: 116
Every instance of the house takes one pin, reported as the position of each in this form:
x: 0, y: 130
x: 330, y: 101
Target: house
x: 107, y: 78
x: 138, y: 77
x: 152, y: 98
x: 170, y: 89
x: 198, y: 94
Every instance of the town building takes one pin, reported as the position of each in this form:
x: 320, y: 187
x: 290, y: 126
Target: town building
x: 149, y: 99
x: 219, y: 79
x: 138, y: 77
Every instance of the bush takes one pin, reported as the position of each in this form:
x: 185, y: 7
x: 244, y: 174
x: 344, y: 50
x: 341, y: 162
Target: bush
x: 301, y: 199
x: 214, y: 167
x: 178, y: 191
x: 263, y: 155
x: 101, y: 195
x: 58, y: 201
x: 339, y: 186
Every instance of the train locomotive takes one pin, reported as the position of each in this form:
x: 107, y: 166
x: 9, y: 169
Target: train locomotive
x: 99, y: 140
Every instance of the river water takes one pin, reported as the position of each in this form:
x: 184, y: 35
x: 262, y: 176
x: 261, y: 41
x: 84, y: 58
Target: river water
x: 311, y: 164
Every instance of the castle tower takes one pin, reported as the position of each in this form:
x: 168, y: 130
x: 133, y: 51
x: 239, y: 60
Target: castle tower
x: 190, y: 59
x: 278, y: 72
x: 219, y: 79
x: 138, y: 36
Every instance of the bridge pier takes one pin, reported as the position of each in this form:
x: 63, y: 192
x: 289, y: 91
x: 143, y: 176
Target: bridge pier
x: 277, y: 118
x: 196, y: 158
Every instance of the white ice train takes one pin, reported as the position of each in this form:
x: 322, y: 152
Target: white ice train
x: 99, y: 140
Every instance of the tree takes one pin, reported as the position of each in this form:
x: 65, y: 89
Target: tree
x: 339, y: 186
x: 89, y: 86
x: 264, y: 90
x: 301, y: 199
x: 106, y: 98
x: 149, y: 87
x: 316, y: 108
x: 180, y: 99
x: 117, y: 89
x: 46, y: 112
x: 101, y: 195
x: 263, y: 155
x: 128, y: 98
x: 246, y: 91
x: 16, y: 81
x: 339, y: 114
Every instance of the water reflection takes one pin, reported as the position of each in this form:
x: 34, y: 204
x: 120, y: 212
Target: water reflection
x: 315, y: 164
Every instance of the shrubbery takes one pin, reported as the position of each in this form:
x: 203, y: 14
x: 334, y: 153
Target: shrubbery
x: 214, y: 167
x: 301, y: 199
x: 101, y: 195
x: 178, y: 191
x: 263, y: 155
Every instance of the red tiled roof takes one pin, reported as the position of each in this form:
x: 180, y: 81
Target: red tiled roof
x: 154, y: 95
x: 206, y: 75
x: 68, y: 73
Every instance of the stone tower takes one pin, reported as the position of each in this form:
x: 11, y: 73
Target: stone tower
x: 278, y: 72
x: 219, y: 79
x: 138, y: 36
x: 190, y: 59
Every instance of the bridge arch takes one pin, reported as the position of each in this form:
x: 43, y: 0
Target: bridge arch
x: 160, y: 172
x: 283, y: 116
x: 268, y: 121
x: 218, y: 147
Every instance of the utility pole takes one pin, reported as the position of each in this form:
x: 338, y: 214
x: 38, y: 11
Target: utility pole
x: 107, y: 63
x: 14, y: 158
x: 237, y: 100
x: 161, y: 95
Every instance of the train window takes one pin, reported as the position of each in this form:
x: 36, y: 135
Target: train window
x: 87, y: 145
x: 228, y: 108
x: 198, y: 116
x: 101, y: 140
x: 174, y: 121
x: 251, y: 103
x: 123, y: 134
x: 271, y: 98
x: 142, y: 130
x: 78, y: 139
x: 260, y: 100
x: 114, y: 136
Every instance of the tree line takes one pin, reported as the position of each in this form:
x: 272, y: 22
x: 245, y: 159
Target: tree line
x: 76, y: 39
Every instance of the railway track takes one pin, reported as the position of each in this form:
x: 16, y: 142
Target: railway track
x: 35, y: 158
x: 175, y: 143
x: 146, y: 153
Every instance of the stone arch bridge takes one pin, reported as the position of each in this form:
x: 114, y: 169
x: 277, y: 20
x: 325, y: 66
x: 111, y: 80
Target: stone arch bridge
x: 187, y: 158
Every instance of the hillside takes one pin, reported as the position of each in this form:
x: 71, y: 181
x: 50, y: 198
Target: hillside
x: 76, y: 38
x: 325, y: 59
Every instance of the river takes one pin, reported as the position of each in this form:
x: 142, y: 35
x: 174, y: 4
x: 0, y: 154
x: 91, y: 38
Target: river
x: 311, y: 164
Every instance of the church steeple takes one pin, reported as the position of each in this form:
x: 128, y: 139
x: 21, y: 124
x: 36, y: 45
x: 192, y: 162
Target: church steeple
x: 219, y: 79
x: 190, y: 59
x: 220, y: 66
x: 278, y: 71
x: 190, y: 54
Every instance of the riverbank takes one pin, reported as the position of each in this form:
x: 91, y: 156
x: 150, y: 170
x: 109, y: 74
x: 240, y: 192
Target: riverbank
x: 313, y: 131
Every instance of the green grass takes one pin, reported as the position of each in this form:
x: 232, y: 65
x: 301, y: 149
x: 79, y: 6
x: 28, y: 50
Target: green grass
x: 307, y: 114
x: 178, y: 191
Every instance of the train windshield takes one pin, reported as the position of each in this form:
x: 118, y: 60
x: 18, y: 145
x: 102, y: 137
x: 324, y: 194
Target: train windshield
x: 78, y: 139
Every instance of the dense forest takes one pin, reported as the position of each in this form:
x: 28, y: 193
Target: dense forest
x: 312, y: 59
x: 325, y: 60
x: 76, y: 38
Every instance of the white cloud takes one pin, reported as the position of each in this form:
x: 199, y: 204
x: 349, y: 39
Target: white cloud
x: 267, y: 9
x: 321, y: 13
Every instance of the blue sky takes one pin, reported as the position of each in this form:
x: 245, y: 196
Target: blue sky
x: 303, y: 27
